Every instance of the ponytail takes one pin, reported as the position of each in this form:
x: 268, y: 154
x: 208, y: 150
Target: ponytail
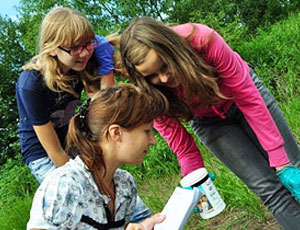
x: 80, y: 141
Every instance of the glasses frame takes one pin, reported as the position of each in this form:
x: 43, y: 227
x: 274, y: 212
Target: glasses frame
x: 94, y: 42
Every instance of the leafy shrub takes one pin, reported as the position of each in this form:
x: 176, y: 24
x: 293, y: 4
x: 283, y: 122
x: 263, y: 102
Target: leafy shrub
x: 276, y: 55
x: 16, y: 182
x: 234, y: 32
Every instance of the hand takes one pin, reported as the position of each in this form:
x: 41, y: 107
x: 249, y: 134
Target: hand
x: 147, y: 224
x: 212, y: 176
x: 290, y: 178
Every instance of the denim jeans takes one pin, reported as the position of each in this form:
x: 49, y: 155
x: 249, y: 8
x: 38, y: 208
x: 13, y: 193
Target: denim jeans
x: 42, y: 167
x: 235, y: 144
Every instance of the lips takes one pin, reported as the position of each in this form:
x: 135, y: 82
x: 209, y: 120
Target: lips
x: 82, y: 61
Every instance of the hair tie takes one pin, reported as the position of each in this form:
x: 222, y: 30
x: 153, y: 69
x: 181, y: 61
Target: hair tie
x: 83, y: 109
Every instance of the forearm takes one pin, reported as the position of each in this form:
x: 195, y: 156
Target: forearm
x: 59, y: 158
x: 50, y: 142
x: 182, y: 143
x: 107, y: 80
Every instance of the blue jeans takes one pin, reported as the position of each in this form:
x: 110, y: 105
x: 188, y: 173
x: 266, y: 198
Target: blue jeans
x: 235, y: 144
x: 42, y: 167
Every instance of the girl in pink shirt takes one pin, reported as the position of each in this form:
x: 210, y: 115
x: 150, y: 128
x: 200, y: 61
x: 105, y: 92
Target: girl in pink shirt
x: 231, y: 111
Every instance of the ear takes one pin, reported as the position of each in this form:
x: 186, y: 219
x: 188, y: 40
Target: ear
x: 115, y: 132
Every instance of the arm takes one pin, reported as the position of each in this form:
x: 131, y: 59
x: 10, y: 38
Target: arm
x: 33, y: 99
x: 50, y: 142
x: 235, y: 81
x: 107, y: 80
x: 181, y: 142
x: 104, y: 54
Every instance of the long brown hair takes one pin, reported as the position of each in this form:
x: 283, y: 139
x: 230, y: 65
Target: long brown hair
x: 65, y: 27
x: 125, y: 105
x: 195, y: 76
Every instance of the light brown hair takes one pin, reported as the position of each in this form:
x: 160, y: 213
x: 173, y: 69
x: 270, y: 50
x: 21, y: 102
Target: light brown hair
x: 64, y: 27
x: 124, y: 105
x: 195, y: 76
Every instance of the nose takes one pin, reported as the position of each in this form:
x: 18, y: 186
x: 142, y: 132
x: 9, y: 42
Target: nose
x: 152, y: 140
x: 155, y: 80
x: 163, y: 77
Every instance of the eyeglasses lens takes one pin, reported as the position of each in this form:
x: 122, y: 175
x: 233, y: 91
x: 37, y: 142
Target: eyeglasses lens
x: 89, y: 46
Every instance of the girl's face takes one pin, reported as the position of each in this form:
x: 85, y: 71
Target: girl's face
x: 135, y: 144
x: 154, y: 69
x: 75, y: 58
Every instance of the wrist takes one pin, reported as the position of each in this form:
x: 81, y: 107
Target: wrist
x: 279, y: 168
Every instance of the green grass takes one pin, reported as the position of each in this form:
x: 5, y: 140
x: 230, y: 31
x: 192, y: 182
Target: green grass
x: 16, y: 215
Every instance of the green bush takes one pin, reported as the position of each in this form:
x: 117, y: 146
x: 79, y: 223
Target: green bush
x: 234, y: 32
x: 276, y: 55
x: 16, y: 182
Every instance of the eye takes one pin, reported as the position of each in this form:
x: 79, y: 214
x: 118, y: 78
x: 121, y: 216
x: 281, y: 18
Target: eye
x: 75, y: 48
x: 147, y: 131
x: 164, y: 68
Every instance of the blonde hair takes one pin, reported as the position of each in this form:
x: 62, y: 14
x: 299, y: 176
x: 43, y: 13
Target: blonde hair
x: 195, y: 76
x: 124, y: 105
x: 61, y: 27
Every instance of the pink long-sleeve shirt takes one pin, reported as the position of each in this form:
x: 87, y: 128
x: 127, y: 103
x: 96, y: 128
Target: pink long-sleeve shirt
x: 236, y: 83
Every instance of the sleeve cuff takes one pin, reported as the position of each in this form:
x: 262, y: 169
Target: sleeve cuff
x: 278, y: 157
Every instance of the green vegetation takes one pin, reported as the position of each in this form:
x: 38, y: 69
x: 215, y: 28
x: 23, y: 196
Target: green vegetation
x: 267, y: 37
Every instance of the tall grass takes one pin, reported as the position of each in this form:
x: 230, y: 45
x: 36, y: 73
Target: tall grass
x: 276, y: 55
x: 16, y: 215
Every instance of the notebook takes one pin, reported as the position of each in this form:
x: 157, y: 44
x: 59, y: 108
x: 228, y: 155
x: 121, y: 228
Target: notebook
x: 179, y: 208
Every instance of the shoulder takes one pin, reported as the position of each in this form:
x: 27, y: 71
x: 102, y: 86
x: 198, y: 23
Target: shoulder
x: 103, y: 42
x: 123, y: 176
x: 30, y: 79
x: 57, y: 201
x: 64, y: 184
x: 62, y: 179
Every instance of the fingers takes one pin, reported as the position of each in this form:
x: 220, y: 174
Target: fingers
x: 150, y: 222
x: 133, y: 226
x: 147, y: 224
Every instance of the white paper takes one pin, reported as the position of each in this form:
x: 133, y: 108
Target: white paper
x: 178, y: 209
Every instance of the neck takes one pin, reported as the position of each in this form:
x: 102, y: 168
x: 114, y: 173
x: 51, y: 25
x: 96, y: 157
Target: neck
x: 111, y: 162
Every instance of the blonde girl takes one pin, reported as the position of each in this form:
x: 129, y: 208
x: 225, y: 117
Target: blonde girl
x: 50, y: 86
